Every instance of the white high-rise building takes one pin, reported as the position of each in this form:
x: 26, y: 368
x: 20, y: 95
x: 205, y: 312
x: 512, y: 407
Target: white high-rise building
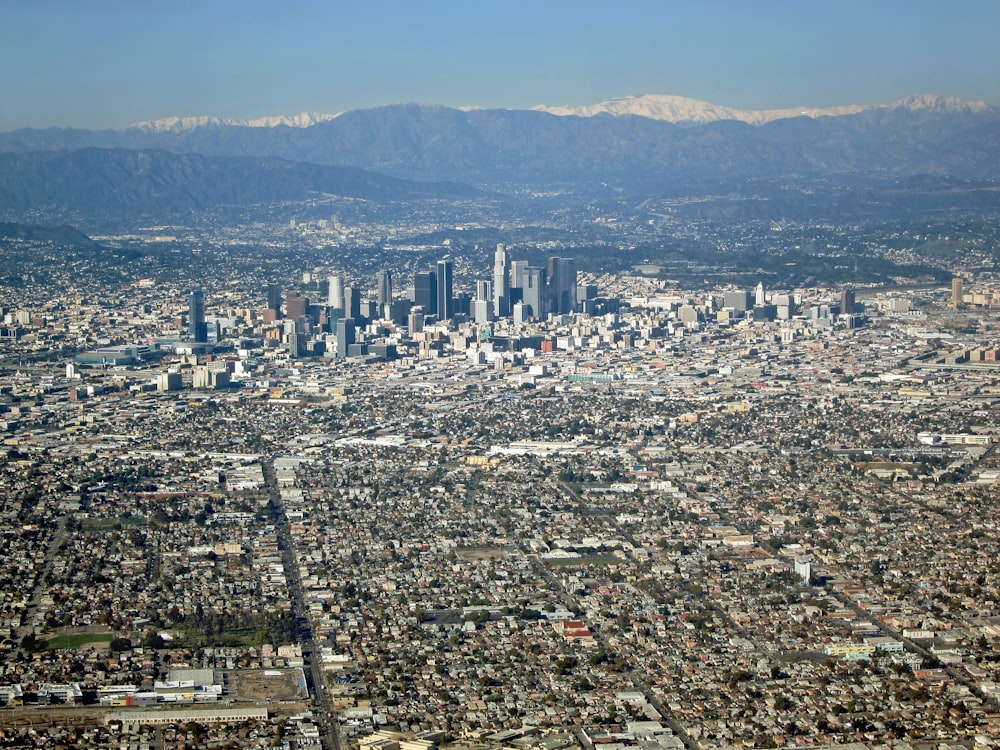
x: 482, y: 311
x: 759, y: 297
x: 335, y: 298
x: 501, y: 282
x: 803, y: 568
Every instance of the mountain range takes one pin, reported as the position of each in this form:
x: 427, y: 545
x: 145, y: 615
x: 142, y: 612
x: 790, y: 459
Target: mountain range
x: 642, y: 145
x: 682, y: 110
x: 155, y: 183
x: 676, y: 109
x: 177, y: 124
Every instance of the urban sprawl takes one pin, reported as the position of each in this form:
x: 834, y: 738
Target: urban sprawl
x: 515, y: 506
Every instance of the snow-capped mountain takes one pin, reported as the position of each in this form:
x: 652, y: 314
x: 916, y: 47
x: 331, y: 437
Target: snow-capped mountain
x: 180, y: 124
x: 949, y: 104
x: 667, y: 139
x: 674, y: 109
x: 301, y: 120
x: 682, y: 110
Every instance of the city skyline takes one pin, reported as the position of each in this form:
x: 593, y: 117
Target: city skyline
x: 112, y: 64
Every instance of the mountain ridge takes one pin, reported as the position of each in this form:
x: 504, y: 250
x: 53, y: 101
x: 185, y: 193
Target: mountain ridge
x: 156, y: 182
x: 680, y: 109
x: 662, y: 107
x: 177, y: 124
x: 513, y: 152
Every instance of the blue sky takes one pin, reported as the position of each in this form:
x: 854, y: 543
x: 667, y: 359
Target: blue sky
x: 108, y: 63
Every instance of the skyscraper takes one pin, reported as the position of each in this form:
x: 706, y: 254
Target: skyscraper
x: 345, y: 336
x: 847, y: 301
x: 335, y: 296
x: 562, y: 286
x: 197, y: 329
x: 335, y: 302
x: 956, y: 292
x: 295, y: 337
x: 274, y: 299
x: 352, y: 302
x: 445, y: 292
x: 425, y: 291
x: 517, y: 268
x: 534, y: 291
x: 383, y: 289
x: 759, y: 297
x: 482, y: 307
x: 482, y: 310
x: 296, y: 306
x: 501, y: 282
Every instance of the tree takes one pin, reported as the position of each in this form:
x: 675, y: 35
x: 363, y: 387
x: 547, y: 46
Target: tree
x: 121, y: 644
x: 31, y: 643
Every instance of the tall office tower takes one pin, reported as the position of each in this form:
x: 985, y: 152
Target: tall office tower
x: 352, y: 302
x: 334, y: 303
x: 197, y: 328
x: 345, y: 336
x: 425, y: 291
x: 847, y: 301
x: 274, y: 299
x: 335, y: 296
x: 501, y: 282
x: 398, y: 311
x: 294, y: 338
x: 562, y: 285
x: 415, y: 320
x: 517, y: 268
x: 534, y: 291
x: 483, y: 305
x: 956, y: 292
x: 445, y: 291
x: 296, y: 306
x: 759, y: 297
x: 482, y: 311
x: 383, y: 289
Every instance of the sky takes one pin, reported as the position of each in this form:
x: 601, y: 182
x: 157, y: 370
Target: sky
x: 109, y: 63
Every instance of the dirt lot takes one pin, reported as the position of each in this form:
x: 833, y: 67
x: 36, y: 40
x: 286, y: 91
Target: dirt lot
x: 481, y: 553
x: 43, y: 716
x: 263, y: 685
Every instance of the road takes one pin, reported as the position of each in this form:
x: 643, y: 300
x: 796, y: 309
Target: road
x: 315, y: 678
x: 41, y: 587
x: 570, y: 602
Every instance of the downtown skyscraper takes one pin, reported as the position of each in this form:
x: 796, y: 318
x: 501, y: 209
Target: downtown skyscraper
x: 562, y: 286
x: 383, y: 289
x: 445, y: 290
x: 501, y: 282
x: 197, y: 327
x: 425, y: 294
